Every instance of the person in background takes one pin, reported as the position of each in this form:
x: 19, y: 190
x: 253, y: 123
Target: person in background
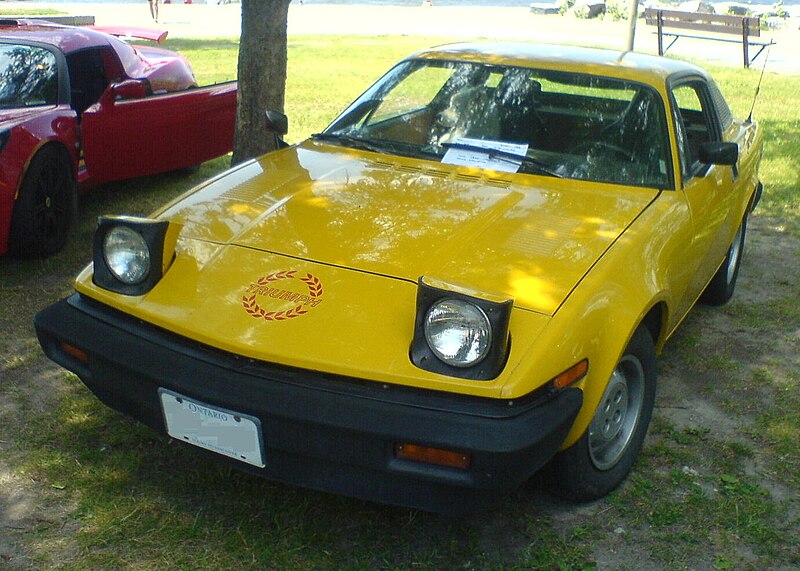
x: 154, y: 9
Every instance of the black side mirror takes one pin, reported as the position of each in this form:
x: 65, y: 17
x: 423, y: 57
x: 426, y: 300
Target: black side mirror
x: 277, y: 122
x: 716, y: 153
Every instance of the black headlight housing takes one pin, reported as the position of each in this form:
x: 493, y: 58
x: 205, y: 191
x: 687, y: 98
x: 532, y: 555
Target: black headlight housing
x: 147, y: 251
x: 494, y: 312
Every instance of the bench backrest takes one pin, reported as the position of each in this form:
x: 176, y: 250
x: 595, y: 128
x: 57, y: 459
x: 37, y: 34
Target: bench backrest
x: 720, y: 23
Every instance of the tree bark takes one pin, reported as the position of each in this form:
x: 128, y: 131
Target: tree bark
x: 261, y: 74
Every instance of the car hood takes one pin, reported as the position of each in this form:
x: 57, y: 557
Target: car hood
x: 526, y: 237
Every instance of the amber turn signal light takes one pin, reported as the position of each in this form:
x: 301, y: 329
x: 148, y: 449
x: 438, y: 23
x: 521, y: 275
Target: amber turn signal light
x: 438, y: 456
x: 73, y: 351
x: 571, y: 375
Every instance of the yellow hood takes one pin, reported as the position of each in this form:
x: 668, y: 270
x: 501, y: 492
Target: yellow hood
x: 309, y: 257
x: 528, y: 237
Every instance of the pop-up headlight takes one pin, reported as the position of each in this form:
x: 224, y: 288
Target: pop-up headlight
x: 129, y: 253
x: 460, y: 333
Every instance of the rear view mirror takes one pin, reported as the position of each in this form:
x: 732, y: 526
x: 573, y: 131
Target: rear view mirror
x: 277, y: 122
x: 717, y: 153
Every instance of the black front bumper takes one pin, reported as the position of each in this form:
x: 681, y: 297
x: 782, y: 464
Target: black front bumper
x: 321, y: 431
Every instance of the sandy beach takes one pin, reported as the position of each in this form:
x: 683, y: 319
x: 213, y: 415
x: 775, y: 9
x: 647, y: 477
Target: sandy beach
x: 203, y: 20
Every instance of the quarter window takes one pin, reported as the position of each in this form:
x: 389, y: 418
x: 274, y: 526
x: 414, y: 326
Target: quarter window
x: 693, y: 124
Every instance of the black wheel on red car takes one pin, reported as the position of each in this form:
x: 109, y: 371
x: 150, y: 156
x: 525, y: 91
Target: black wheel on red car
x: 720, y: 289
x: 45, y: 206
x: 602, y: 458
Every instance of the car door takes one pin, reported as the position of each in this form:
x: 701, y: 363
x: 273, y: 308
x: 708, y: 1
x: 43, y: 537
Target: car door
x: 707, y: 189
x: 130, y: 133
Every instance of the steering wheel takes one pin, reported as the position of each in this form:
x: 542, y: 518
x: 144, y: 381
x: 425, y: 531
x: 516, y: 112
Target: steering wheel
x: 605, y: 148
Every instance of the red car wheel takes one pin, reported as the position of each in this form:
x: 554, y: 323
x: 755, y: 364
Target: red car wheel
x: 45, y: 206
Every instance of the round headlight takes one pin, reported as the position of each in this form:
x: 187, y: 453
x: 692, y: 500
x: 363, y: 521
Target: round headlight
x: 127, y: 255
x: 458, y: 332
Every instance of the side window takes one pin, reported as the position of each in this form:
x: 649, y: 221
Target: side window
x: 28, y: 76
x: 89, y: 76
x: 694, y: 123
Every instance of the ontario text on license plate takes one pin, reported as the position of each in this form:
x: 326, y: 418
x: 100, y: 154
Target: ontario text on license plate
x: 216, y: 429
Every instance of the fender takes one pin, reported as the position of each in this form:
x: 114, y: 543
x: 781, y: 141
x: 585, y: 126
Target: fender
x: 56, y: 125
x: 632, y: 283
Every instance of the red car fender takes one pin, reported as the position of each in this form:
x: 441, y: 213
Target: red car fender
x: 56, y: 125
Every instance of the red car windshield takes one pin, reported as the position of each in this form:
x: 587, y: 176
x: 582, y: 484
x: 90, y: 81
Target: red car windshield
x: 28, y: 76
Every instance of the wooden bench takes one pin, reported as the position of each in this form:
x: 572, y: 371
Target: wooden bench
x: 743, y: 26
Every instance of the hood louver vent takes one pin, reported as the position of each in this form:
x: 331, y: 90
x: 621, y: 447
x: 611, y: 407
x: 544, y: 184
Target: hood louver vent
x: 442, y: 174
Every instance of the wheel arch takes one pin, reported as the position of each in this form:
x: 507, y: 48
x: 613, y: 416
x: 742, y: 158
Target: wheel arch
x: 42, y: 234
x: 654, y: 320
x: 755, y: 197
x: 58, y: 146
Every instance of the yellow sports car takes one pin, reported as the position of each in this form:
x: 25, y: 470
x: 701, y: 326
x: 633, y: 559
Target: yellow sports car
x: 465, y: 279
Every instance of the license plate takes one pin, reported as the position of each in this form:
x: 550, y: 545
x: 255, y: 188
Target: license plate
x: 223, y: 431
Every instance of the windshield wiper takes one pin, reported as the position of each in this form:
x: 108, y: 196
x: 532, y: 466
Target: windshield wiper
x: 412, y: 149
x: 349, y: 141
x: 379, y: 145
x: 525, y: 160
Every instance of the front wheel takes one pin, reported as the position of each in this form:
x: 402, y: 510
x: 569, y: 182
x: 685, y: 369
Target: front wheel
x: 602, y: 458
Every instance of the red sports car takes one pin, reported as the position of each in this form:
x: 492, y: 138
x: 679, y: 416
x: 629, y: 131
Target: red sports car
x: 80, y: 107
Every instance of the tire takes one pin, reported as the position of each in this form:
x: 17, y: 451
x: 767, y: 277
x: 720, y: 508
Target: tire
x: 720, y: 289
x: 602, y: 458
x: 186, y: 171
x: 46, y: 206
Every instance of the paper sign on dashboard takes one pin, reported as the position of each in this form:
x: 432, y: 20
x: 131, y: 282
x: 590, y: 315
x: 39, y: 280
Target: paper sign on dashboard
x: 480, y: 153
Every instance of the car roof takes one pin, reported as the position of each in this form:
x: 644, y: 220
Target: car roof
x: 66, y: 38
x: 623, y: 64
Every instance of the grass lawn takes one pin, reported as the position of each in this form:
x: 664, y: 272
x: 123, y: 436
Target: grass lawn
x: 30, y: 12
x: 704, y: 495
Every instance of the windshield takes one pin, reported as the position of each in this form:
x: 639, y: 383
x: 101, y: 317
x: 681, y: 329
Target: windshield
x: 557, y: 123
x: 28, y: 76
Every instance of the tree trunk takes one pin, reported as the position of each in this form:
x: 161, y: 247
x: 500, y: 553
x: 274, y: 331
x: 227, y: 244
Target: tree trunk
x: 262, y: 75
